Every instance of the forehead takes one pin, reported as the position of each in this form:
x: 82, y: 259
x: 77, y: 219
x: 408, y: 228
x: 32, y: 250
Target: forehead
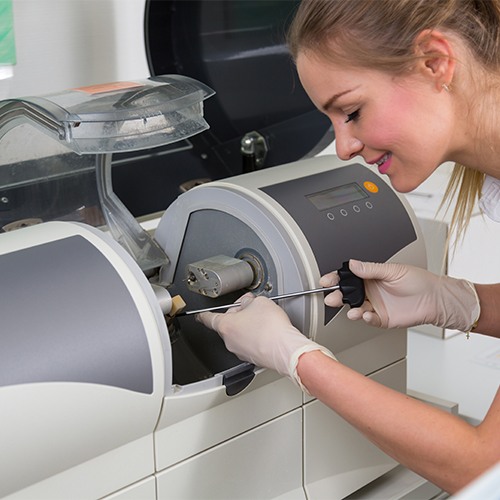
x: 321, y: 78
x: 313, y: 68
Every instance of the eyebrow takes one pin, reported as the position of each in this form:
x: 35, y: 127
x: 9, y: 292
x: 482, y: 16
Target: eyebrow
x: 332, y: 99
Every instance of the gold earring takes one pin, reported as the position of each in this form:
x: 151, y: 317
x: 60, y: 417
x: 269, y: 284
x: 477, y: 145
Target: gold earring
x: 446, y: 87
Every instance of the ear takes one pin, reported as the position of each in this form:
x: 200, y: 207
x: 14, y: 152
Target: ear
x: 436, y: 59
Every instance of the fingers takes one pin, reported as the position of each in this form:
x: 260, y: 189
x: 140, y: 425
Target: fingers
x: 365, y: 313
x: 334, y: 299
x: 210, y: 320
x: 368, y: 314
x: 357, y: 313
x: 364, y: 269
x: 375, y: 270
x: 244, y: 301
x: 372, y: 318
x: 329, y: 279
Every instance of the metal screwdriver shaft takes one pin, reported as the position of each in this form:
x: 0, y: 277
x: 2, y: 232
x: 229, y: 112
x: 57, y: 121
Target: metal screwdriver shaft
x: 276, y: 297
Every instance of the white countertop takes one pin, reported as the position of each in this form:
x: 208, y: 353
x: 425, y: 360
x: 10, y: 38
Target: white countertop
x: 463, y: 371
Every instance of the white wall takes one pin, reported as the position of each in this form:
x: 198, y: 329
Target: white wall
x: 63, y: 44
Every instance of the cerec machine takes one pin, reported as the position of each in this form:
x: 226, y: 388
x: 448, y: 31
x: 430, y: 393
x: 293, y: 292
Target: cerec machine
x: 100, y: 394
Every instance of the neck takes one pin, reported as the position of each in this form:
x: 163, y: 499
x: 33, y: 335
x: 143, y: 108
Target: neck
x: 477, y: 137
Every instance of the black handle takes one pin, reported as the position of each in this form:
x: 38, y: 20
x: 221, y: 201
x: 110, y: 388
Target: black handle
x: 351, y: 286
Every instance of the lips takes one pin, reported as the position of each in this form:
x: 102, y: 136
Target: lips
x: 384, y: 163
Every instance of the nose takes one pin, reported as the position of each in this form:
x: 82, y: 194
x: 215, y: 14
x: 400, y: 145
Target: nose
x: 346, y: 144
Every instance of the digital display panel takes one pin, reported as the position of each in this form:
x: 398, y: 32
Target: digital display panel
x: 330, y: 198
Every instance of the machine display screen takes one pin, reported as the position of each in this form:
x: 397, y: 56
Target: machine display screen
x: 323, y: 200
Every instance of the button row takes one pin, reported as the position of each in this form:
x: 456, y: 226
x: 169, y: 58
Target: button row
x: 345, y: 213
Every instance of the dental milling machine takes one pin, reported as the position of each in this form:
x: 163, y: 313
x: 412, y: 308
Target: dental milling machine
x: 104, y: 393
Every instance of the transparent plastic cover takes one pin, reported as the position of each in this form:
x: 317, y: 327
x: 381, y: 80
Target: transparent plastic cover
x: 41, y: 177
x: 119, y: 116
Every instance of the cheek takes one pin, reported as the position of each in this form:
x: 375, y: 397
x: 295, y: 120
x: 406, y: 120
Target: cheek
x: 395, y: 122
x: 384, y: 134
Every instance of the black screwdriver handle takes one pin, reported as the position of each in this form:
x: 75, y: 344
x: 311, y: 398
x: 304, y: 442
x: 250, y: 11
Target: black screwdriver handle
x: 351, y: 286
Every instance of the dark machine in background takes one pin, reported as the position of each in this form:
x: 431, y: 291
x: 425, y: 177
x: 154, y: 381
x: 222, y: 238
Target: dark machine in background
x: 260, y: 116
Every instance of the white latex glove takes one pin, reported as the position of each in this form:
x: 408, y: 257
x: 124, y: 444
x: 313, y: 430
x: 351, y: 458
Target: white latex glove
x: 260, y: 332
x: 400, y: 296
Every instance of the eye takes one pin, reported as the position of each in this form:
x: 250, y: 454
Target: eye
x: 352, y: 116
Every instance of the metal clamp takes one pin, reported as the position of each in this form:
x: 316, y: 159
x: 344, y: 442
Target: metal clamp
x: 254, y: 151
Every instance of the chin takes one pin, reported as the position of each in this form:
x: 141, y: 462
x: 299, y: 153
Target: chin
x: 403, y: 185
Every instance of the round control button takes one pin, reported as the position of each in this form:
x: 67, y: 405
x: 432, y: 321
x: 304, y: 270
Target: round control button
x: 368, y: 205
x: 370, y: 186
x: 330, y: 216
x: 343, y: 211
x: 356, y: 208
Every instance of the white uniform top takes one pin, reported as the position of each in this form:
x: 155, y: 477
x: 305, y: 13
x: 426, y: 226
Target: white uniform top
x: 489, y: 202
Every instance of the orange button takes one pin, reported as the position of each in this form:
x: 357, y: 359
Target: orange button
x: 370, y: 186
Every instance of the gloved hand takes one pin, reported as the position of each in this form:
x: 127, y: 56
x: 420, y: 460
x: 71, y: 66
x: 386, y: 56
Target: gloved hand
x: 260, y: 332
x: 400, y: 296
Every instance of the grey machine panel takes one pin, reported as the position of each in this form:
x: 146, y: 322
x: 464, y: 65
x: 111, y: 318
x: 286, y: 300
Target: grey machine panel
x: 210, y: 232
x: 68, y: 317
x: 345, y: 220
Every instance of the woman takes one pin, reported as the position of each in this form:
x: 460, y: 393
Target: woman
x: 408, y: 85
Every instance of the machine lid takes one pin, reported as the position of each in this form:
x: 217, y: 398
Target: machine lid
x: 238, y: 48
x: 118, y: 116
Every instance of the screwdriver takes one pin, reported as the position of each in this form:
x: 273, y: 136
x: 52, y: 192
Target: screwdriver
x: 351, y: 286
x: 276, y: 297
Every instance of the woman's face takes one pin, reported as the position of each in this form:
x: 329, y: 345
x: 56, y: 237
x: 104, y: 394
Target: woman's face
x: 399, y: 124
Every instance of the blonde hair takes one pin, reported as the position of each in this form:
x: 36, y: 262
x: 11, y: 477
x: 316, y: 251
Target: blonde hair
x: 466, y: 184
x: 381, y: 35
